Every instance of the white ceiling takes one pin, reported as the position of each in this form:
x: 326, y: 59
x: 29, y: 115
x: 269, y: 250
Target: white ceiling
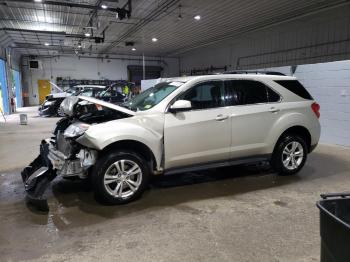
x: 26, y: 26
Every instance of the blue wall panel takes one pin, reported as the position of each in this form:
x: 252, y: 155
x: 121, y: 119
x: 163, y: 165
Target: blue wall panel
x: 3, y: 83
x: 18, y: 85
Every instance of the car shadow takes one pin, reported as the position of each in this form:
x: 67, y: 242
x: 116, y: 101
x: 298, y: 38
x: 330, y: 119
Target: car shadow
x: 172, y: 191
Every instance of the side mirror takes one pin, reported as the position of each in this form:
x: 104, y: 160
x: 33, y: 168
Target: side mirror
x: 180, y: 105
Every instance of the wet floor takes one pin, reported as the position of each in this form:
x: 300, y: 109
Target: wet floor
x: 230, y: 214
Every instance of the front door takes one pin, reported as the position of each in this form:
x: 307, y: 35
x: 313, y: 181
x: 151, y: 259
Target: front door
x: 44, y: 89
x: 201, y: 134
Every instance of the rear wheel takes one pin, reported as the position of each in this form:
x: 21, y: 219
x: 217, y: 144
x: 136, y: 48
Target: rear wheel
x: 290, y: 155
x: 120, y: 177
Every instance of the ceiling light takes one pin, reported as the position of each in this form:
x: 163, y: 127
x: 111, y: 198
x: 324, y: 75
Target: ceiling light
x: 133, y: 49
x: 104, y: 6
x: 197, y: 17
x: 47, y: 44
x: 154, y: 39
x: 38, y: 1
x: 87, y: 34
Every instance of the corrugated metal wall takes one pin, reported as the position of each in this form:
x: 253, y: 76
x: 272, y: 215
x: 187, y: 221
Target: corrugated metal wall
x: 321, y: 37
x: 318, y: 38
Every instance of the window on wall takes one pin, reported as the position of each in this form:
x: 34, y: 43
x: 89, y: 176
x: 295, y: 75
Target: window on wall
x: 205, y: 95
x: 246, y: 92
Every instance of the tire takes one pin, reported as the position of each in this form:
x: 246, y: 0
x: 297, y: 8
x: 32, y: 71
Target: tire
x: 290, y: 155
x: 111, y: 179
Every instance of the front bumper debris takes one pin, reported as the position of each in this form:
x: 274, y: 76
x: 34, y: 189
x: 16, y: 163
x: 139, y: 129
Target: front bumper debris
x: 37, y: 177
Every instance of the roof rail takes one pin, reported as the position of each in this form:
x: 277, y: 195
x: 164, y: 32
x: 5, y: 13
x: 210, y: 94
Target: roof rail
x: 254, y: 72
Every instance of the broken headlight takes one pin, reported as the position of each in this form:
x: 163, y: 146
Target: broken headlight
x: 76, y: 129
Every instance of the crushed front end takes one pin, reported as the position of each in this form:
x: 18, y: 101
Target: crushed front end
x: 61, y: 155
x: 58, y: 157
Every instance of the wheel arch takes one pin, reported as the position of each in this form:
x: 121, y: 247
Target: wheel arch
x: 299, y: 130
x: 133, y: 145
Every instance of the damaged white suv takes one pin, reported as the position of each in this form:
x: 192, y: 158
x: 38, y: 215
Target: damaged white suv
x: 181, y: 124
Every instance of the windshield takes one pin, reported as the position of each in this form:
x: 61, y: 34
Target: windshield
x: 152, y: 96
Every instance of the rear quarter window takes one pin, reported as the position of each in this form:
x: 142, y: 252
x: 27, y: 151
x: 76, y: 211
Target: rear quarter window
x: 295, y: 87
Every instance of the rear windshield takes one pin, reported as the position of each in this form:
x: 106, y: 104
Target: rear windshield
x: 296, y: 87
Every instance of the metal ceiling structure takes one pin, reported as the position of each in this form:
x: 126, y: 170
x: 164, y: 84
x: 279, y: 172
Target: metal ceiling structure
x: 26, y: 25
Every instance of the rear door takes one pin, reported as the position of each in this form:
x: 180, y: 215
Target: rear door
x: 253, y: 108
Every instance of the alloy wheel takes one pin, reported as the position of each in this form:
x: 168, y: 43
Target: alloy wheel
x: 292, y: 155
x: 123, y: 178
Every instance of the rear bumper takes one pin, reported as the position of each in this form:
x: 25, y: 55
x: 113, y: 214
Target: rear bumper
x: 312, y: 147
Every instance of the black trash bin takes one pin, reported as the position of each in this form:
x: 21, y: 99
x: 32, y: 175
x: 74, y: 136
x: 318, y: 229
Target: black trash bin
x: 335, y: 227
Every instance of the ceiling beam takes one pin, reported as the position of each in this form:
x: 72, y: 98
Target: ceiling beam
x: 69, y: 4
x: 50, y: 33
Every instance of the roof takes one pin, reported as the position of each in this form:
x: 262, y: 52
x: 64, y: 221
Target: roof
x: 230, y: 76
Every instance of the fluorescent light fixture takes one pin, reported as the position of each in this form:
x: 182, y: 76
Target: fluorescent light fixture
x: 87, y: 34
x: 47, y: 44
x: 104, y: 6
x: 197, y: 17
x: 154, y: 39
x: 133, y: 49
x: 38, y: 1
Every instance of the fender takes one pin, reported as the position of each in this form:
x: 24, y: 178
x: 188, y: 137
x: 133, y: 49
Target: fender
x: 287, y: 121
x: 144, y: 129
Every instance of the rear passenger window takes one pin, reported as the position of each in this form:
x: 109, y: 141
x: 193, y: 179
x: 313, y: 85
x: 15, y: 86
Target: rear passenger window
x: 272, y: 95
x: 245, y: 92
x: 295, y: 87
x: 205, y: 95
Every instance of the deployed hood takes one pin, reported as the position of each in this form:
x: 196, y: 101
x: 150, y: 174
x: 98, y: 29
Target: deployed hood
x: 58, y: 95
x: 69, y: 103
x: 56, y: 88
x: 109, y: 105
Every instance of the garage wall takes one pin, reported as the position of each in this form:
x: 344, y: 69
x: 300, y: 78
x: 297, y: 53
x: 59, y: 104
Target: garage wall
x: 320, y: 37
x: 9, y: 61
x: 314, y: 43
x: 87, y: 68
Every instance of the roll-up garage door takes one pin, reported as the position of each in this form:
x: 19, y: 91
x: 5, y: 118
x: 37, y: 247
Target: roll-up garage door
x: 135, y: 73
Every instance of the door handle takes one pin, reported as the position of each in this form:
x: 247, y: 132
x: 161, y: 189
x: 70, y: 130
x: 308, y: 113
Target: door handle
x: 221, y: 117
x: 274, y: 110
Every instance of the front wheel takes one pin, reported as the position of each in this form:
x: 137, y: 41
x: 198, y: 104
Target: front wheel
x: 120, y: 177
x: 290, y: 155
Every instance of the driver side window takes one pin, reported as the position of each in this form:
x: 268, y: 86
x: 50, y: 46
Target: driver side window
x: 205, y: 95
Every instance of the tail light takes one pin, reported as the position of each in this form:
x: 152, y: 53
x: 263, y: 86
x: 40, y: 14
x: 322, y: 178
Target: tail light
x: 316, y: 108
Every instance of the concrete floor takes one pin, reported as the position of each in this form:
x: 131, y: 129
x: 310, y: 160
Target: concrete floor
x: 231, y: 214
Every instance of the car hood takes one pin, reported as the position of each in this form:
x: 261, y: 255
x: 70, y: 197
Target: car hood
x: 107, y: 104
